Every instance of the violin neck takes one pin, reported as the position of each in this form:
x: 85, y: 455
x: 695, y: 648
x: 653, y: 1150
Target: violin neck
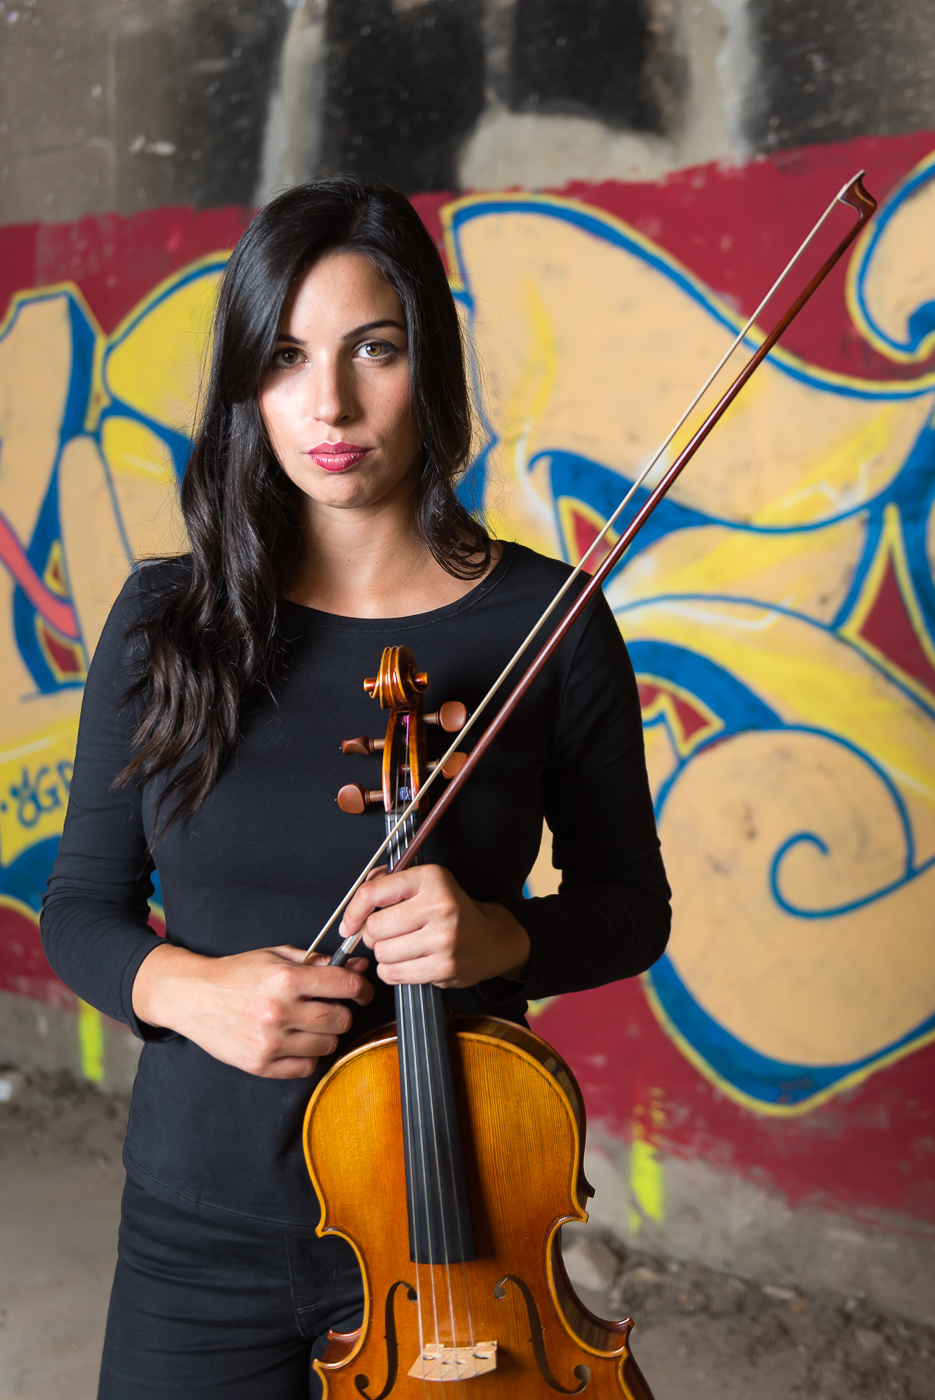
x: 440, y: 1228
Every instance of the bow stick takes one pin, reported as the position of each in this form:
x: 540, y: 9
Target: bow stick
x: 857, y: 197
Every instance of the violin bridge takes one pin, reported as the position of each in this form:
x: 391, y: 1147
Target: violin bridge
x: 438, y: 1363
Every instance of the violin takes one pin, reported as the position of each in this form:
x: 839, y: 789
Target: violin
x: 449, y: 1155
x: 473, y: 1131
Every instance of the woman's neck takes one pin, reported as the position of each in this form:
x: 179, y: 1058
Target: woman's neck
x: 371, y: 563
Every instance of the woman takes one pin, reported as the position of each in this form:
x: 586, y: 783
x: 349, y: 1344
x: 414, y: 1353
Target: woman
x: 323, y: 526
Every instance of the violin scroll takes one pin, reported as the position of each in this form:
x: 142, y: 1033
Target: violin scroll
x: 399, y: 687
x: 397, y: 684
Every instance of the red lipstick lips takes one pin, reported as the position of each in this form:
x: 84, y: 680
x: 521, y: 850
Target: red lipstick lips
x: 338, y: 456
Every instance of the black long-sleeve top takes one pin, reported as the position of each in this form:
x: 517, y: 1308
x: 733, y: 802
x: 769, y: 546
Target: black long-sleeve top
x: 268, y: 855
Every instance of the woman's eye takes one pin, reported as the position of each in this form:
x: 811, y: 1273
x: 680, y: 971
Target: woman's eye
x: 376, y: 350
x: 286, y: 357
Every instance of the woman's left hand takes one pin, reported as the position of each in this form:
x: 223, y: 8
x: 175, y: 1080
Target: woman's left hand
x: 422, y: 927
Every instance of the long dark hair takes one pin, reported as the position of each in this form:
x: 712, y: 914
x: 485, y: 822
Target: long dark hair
x: 208, y: 630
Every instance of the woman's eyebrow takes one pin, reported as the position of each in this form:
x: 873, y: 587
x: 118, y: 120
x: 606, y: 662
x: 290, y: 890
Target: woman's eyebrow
x: 351, y: 335
x: 373, y: 326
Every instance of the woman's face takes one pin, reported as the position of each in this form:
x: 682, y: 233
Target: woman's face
x: 336, y: 399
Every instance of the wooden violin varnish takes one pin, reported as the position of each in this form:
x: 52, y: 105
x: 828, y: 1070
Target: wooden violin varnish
x: 449, y: 1154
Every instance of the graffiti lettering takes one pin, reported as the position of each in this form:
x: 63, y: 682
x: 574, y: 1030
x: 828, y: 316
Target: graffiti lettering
x: 41, y: 791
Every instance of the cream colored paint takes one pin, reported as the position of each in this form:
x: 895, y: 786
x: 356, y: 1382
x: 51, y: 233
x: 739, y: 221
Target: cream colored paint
x: 819, y: 992
x: 35, y: 368
x: 97, y: 556
x: 901, y: 277
x: 807, y: 675
x: 583, y: 318
x: 809, y: 573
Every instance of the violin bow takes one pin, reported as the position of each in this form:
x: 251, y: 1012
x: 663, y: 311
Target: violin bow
x: 857, y: 197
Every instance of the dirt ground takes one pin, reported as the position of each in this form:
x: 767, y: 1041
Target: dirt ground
x: 699, y: 1336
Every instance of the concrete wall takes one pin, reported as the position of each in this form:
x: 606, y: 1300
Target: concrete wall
x: 613, y: 186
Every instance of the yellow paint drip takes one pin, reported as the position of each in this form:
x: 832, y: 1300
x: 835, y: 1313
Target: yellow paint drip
x: 646, y: 1175
x: 91, y: 1041
x: 646, y: 1180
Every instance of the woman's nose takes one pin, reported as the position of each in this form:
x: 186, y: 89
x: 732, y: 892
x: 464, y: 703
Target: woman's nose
x: 332, y: 398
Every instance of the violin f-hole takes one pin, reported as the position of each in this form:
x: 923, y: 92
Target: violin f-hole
x: 392, y: 1345
x: 536, y: 1335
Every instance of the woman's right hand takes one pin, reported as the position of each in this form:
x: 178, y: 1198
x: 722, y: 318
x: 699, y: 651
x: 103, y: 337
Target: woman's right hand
x: 263, y: 1011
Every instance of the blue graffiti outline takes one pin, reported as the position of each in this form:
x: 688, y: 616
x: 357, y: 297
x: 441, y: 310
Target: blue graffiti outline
x: 809, y: 837
x: 472, y: 486
x: 756, y: 1075
x: 47, y: 528
x: 178, y: 443
x: 576, y: 477
x: 780, y: 610
x: 602, y: 229
x: 760, y: 1078
x: 921, y: 324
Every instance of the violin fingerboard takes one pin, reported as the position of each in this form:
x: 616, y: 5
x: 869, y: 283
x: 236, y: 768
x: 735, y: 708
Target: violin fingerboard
x: 440, y: 1228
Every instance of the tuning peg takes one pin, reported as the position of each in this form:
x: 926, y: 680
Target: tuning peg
x: 355, y: 799
x: 362, y: 745
x: 454, y: 765
x: 451, y: 717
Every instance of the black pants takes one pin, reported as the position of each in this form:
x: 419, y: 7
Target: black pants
x: 204, y: 1308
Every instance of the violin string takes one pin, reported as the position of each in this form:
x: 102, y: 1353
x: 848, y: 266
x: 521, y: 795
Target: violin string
x: 408, y: 832
x: 410, y: 999
x: 400, y: 843
x: 351, y: 943
x: 446, y: 1253
x: 456, y: 1197
x: 411, y: 823
x: 405, y: 1090
x: 407, y: 1129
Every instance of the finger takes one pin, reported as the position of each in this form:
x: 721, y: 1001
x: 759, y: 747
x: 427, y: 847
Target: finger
x: 376, y: 894
x: 397, y: 921
x: 369, y: 991
x: 420, y: 943
x: 361, y: 902
x: 293, y: 954
x: 317, y: 978
x: 302, y: 1045
x: 417, y: 972
x: 316, y: 1018
x: 291, y: 1067
x: 334, y: 983
x: 301, y: 956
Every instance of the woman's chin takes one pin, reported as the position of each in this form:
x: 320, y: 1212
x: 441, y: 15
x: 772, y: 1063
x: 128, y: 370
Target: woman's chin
x: 350, y: 490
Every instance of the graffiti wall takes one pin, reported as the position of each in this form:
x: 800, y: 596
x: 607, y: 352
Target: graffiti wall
x: 779, y: 610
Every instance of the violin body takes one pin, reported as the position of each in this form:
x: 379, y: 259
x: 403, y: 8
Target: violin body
x: 522, y: 1124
